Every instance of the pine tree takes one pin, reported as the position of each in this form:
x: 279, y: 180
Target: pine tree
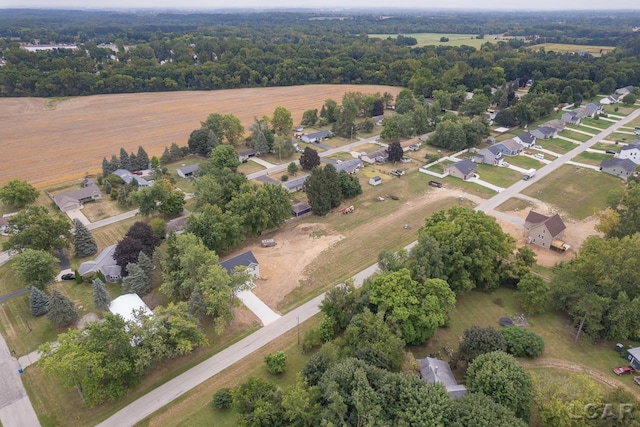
x: 145, y: 263
x: 83, y: 241
x: 106, y: 167
x: 39, y: 302
x: 197, y: 305
x: 61, y: 311
x: 101, y: 298
x: 124, y: 159
x: 107, y: 187
x: 133, y: 161
x: 143, y: 158
x: 137, y: 281
x: 114, y: 164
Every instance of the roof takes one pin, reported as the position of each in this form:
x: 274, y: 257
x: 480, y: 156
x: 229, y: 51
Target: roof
x: 349, y: 165
x: 410, y: 142
x: 125, y: 306
x: 294, y: 183
x: 632, y: 145
x: 635, y: 352
x: 526, y: 138
x: 593, y: 106
x: 300, y: 207
x: 555, y: 225
x: 376, y: 178
x: 555, y: 124
x: 76, y: 195
x: 104, y: 262
x: 176, y: 224
x: 535, y: 218
x: 247, y: 152
x: 382, y: 152
x: 465, y: 166
x: 127, y: 177
x: 625, y: 164
x: 510, y: 144
x: 436, y: 370
x: 318, y: 135
x: 189, y: 169
x: 244, y: 259
x: 546, y: 130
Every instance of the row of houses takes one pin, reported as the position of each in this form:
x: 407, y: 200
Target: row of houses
x: 624, y: 164
x: 588, y: 111
x: 615, y: 97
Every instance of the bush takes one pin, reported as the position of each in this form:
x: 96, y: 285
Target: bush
x: 276, y: 362
x: 498, y: 301
x: 312, y: 339
x: 522, y: 342
x: 284, y: 178
x: 223, y: 399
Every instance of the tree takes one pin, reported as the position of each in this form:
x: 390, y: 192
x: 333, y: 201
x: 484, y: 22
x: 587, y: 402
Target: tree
x: 477, y: 340
x: 292, y: 168
x: 136, y: 281
x: 18, y: 193
x: 392, y: 261
x: 62, y: 312
x: 124, y: 160
x: 83, y: 241
x: 395, y: 152
x: 218, y: 230
x: 522, y: 342
x: 226, y: 127
x: 378, y: 108
x: 339, y: 304
x: 323, y: 189
x: 34, y: 228
x: 223, y: 398
x: 533, y: 293
x: 257, y: 403
x: 202, y: 141
x: 101, y: 298
x: 39, y: 302
x: 127, y: 251
x: 479, y: 410
x: 283, y: 147
x: 260, y: 207
x: 276, y: 362
x: 310, y: 117
x: 223, y: 156
x: 629, y: 99
x: 282, y: 122
x: 366, y: 125
x: 499, y: 376
x: 145, y: 263
x: 309, y: 159
x: 143, y: 158
x: 349, y: 185
x: 35, y: 268
x: 196, y: 304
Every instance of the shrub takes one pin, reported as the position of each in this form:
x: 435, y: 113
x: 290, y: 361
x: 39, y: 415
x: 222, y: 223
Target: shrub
x: 498, y: 301
x: 284, y: 178
x: 276, y: 362
x: 222, y: 399
x: 312, y: 339
x: 522, y: 342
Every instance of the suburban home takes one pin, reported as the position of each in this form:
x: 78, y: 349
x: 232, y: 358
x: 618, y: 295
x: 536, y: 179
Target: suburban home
x: 435, y: 370
x: 410, y: 144
x: 349, y: 166
x: 571, y: 117
x: 245, y: 154
x: 295, y: 184
x: 376, y: 180
x: 464, y: 169
x: 187, y: 171
x: 127, y: 177
x: 611, y: 99
x: 584, y: 112
x: 557, y: 124
x: 545, y: 132
x: 624, y: 90
x: 105, y: 263
x: 316, y: 136
x: 595, y: 107
x: 126, y: 305
x: 378, y: 119
x: 377, y: 156
x: 633, y: 356
x: 490, y: 156
x: 622, y: 168
x: 631, y: 151
x: 508, y: 147
x: 176, y: 225
x: 70, y: 200
x: 245, y: 259
x: 526, y: 139
x: 545, y: 231
x: 300, y: 209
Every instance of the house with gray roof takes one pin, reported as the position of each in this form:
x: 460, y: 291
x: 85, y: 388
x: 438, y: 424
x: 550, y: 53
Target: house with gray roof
x: 438, y: 371
x: 571, y: 117
x: 188, y: 171
x: 545, y: 132
x: 490, y: 156
x: 245, y: 154
x: 464, y: 169
x: 316, y: 136
x: 377, y: 156
x: 508, y: 147
x: 557, y: 124
x: 622, y: 168
x: 349, y: 166
x: 295, y: 184
x: 631, y: 151
x: 70, y: 200
x: 595, y: 107
x: 633, y: 356
x: 526, y: 139
x: 105, y: 263
x: 127, y: 177
x: 624, y: 90
x: 300, y: 209
x: 611, y: 99
x: 245, y: 259
x: 545, y: 231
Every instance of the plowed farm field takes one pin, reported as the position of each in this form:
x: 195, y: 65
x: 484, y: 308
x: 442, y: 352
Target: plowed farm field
x: 47, y: 142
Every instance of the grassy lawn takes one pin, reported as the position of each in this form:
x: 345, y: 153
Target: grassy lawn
x: 470, y: 187
x: 498, y: 175
x: 556, y: 145
x: 578, y: 192
x: 568, y: 133
x: 622, y: 138
x: 275, y: 160
x: 341, y: 156
x: 565, y: 48
x: 604, y: 146
x: 622, y: 110
x: 545, y: 119
x: 249, y: 167
x: 514, y: 204
x: 601, y: 124
x: 591, y: 158
x: 524, y: 162
x: 433, y: 39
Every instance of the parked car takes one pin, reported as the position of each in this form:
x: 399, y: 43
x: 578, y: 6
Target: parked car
x: 539, y: 156
x: 623, y: 370
x: 136, y: 172
x: 506, y: 164
x: 610, y: 152
x: 68, y: 276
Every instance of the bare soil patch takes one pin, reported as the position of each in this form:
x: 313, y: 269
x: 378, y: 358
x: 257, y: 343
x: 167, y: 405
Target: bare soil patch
x: 48, y: 143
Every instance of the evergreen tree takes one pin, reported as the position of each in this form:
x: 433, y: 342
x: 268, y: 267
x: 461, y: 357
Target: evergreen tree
x: 124, y: 160
x: 39, y: 302
x: 143, y: 158
x: 84, y: 243
x: 395, y: 152
x: 166, y: 156
x: 145, y: 263
x: 101, y: 298
x: 107, y: 187
x: 61, y: 311
x: 197, y: 305
x: 106, y: 167
x: 136, y: 281
x: 114, y: 164
x: 133, y: 161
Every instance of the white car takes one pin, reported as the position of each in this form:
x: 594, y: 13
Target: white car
x: 539, y: 156
x: 506, y: 164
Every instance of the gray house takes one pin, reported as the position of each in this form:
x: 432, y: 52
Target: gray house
x: 595, y: 108
x: 377, y: 156
x: 349, y: 166
x: 545, y: 132
x: 508, y: 147
x: 104, y: 263
x: 295, y: 184
x: 127, y: 177
x: 526, y: 139
x: 545, y: 231
x: 490, y: 156
x: 571, y: 117
x: 633, y: 356
x: 436, y: 370
x: 187, y: 171
x: 245, y: 259
x: 316, y: 136
x: 70, y: 200
x: 622, y: 168
x: 631, y: 151
x: 300, y: 209
x: 464, y: 169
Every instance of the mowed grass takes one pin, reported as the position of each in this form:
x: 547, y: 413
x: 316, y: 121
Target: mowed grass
x: 579, y: 192
x: 604, y: 146
x: 600, y: 124
x: 591, y: 158
x: 498, y: 175
x: 557, y: 145
x: 593, y: 50
x: 622, y: 138
x: 568, y: 133
x: 525, y: 162
x: 433, y: 39
x: 470, y: 187
x: 514, y: 204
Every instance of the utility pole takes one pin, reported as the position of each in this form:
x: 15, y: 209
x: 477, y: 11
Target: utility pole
x: 298, y: 330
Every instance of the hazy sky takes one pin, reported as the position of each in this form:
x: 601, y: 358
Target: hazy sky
x: 424, y: 4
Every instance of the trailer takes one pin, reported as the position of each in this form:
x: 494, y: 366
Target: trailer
x: 529, y: 174
x: 268, y: 243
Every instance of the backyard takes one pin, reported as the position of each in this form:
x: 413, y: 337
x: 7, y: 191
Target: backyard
x: 497, y: 175
x: 557, y: 145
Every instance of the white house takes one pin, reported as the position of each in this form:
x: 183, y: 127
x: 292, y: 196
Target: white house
x: 631, y: 151
x: 376, y: 180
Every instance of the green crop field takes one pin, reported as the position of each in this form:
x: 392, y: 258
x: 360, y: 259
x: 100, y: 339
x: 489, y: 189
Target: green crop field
x: 433, y: 39
x: 569, y: 48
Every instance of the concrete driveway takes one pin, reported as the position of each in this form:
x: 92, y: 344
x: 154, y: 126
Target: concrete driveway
x: 77, y: 214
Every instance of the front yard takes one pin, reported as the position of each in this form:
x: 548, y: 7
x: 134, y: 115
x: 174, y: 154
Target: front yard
x: 591, y: 158
x: 499, y: 175
x: 557, y: 145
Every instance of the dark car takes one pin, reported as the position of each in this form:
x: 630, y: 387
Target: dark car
x: 68, y: 276
x: 610, y: 152
x: 623, y: 370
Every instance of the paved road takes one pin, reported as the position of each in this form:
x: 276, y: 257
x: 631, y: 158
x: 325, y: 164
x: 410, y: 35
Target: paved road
x: 113, y: 219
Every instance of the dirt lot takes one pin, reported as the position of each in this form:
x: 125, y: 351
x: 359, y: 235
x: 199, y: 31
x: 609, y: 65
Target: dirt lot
x: 47, y: 143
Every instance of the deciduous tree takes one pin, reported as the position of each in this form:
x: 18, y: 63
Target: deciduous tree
x: 276, y: 362
x: 34, y: 228
x: 18, y: 193
x: 309, y: 159
x: 218, y: 230
x: 395, y: 152
x: 522, y: 342
x: 479, y: 410
x: 35, y: 268
x: 477, y: 340
x: 202, y: 141
x: 533, y: 293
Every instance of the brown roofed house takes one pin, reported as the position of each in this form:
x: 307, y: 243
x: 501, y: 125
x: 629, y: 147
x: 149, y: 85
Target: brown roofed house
x: 546, y: 231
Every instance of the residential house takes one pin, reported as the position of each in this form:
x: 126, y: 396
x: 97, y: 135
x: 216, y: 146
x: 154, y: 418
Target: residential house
x: 176, y: 225
x: 526, y: 139
x: 245, y: 259
x: 105, y: 263
x: 188, y: 171
x: 611, y: 99
x: 316, y: 136
x: 557, y: 124
x: 376, y: 180
x: 624, y: 90
x: 377, y: 156
x: 584, y: 112
x: 128, y: 305
x: 4, y: 222
x: 571, y: 117
x: 622, y: 168
x: 410, y: 144
x: 349, y: 166
x: 545, y: 231
x: 244, y: 155
x: 464, y: 169
x: 127, y: 177
x: 595, y: 108
x: 545, y: 132
x: 300, y: 209
x: 378, y: 119
x: 435, y: 370
x: 631, y: 151
x: 295, y: 184
x: 490, y: 156
x: 633, y: 356
x: 509, y: 147
x: 70, y: 200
